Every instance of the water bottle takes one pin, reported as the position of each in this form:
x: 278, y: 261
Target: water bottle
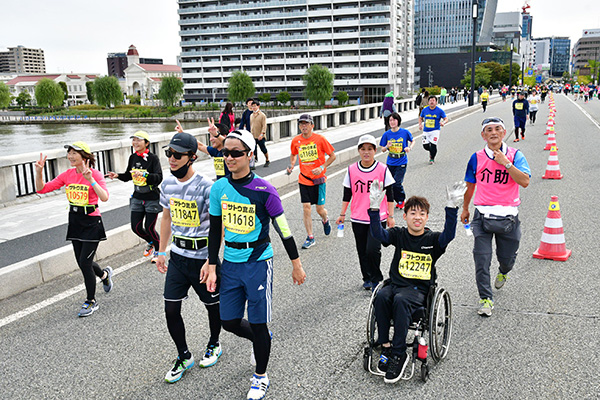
x: 340, y: 232
x: 468, y: 230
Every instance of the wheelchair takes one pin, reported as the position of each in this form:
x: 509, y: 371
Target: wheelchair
x: 433, y: 320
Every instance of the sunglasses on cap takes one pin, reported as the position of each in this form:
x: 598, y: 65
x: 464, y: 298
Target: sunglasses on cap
x: 174, y: 154
x: 492, y: 120
x: 233, y: 153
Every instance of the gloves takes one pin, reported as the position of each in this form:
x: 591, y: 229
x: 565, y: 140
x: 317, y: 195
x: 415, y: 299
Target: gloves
x: 455, y: 194
x: 376, y: 194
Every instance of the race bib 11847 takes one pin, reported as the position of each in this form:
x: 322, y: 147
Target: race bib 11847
x: 184, y: 212
x: 415, y: 265
x: 237, y: 217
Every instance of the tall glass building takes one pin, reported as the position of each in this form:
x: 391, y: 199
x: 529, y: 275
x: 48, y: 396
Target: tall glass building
x: 560, y: 55
x: 366, y: 44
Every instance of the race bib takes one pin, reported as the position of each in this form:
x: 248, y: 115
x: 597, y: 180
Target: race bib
x: 138, y: 180
x: 308, y: 153
x: 430, y: 123
x: 184, y: 212
x: 518, y: 106
x: 77, y: 194
x: 237, y: 217
x: 396, y: 147
x: 415, y: 266
x: 219, y: 166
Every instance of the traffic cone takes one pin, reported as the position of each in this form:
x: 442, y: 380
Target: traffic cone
x: 553, y: 168
x: 552, y: 245
x: 548, y: 130
x: 551, y: 142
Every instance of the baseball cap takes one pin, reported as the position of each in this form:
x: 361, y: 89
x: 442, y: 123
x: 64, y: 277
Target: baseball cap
x: 183, y: 143
x: 223, y: 129
x: 140, y: 135
x: 245, y: 136
x: 79, y: 146
x: 367, y: 139
x: 306, y: 118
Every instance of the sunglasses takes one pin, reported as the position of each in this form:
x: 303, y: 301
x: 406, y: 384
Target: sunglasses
x: 492, y: 120
x: 233, y: 153
x: 177, y: 156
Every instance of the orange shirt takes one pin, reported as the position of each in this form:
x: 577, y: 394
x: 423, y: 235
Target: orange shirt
x: 311, y: 153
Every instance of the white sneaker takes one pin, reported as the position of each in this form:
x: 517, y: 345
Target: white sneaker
x: 258, y: 389
x: 211, y: 355
x: 178, y: 369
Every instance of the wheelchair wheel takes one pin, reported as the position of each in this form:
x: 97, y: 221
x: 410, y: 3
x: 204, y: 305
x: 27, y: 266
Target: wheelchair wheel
x: 371, y: 323
x: 424, y: 372
x: 440, y: 324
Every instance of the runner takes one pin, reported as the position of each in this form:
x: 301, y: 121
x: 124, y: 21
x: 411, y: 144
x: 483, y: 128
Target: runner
x: 356, y: 190
x: 533, y: 100
x: 520, y: 109
x: 387, y: 108
x: 84, y: 187
x: 217, y: 133
x: 244, y: 204
x: 498, y: 172
x: 145, y: 171
x: 431, y: 120
x: 185, y: 201
x: 485, y: 96
x: 245, y: 120
x: 399, y: 142
x: 311, y: 148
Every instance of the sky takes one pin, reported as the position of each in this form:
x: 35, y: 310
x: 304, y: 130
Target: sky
x: 76, y: 36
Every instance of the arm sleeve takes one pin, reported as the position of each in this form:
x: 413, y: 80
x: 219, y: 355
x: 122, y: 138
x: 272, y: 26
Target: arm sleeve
x: 389, y: 193
x: 155, y: 176
x: 449, y: 227
x: 283, y: 230
x: 214, y: 239
x: 347, y: 194
x: 376, y: 229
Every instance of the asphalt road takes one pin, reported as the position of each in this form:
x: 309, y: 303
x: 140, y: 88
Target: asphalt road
x: 540, y: 343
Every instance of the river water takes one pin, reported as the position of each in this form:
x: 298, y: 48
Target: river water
x: 17, y: 139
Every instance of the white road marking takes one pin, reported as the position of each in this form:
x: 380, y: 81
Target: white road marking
x: 585, y: 113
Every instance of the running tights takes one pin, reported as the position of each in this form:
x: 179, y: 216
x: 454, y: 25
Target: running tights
x: 532, y: 115
x: 145, y: 229
x: 177, y: 328
x: 84, y: 253
x: 432, y: 149
x: 260, y: 337
x: 517, y: 132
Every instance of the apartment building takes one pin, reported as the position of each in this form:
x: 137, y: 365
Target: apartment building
x: 366, y: 44
x: 22, y: 60
x: 587, y: 48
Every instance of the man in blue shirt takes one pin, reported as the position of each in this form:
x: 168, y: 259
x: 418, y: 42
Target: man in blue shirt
x: 431, y: 120
x: 245, y: 122
x: 520, y: 109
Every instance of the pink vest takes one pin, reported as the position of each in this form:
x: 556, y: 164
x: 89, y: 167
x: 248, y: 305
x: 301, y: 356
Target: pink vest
x: 495, y: 187
x: 360, y: 183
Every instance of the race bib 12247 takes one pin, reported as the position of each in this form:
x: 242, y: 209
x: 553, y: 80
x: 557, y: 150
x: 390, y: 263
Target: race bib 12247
x: 415, y: 265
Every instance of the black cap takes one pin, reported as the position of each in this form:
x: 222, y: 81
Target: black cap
x: 183, y: 143
x: 306, y: 118
x: 223, y: 129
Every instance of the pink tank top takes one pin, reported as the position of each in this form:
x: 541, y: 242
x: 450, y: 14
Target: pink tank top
x: 360, y: 182
x: 495, y: 187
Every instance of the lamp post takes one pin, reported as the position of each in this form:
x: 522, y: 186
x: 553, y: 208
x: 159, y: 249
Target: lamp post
x: 474, y: 15
x: 512, y: 46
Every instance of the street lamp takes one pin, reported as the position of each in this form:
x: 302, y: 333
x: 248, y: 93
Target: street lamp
x: 474, y: 15
x: 512, y: 46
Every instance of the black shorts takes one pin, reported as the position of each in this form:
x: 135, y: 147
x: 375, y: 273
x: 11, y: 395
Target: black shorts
x: 184, y: 272
x: 313, y: 194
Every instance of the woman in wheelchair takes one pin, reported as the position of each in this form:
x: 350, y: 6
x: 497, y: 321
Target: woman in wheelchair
x: 417, y: 250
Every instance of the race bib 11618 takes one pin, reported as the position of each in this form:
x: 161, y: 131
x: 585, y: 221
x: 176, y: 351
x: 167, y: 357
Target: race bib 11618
x: 237, y: 217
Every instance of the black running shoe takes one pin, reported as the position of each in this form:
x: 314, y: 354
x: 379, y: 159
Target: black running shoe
x: 386, y: 352
x: 395, y: 369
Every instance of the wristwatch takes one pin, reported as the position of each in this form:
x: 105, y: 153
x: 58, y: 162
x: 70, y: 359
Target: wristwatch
x: 508, y: 165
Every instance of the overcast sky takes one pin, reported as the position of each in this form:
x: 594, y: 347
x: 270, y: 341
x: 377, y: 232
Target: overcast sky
x: 77, y: 35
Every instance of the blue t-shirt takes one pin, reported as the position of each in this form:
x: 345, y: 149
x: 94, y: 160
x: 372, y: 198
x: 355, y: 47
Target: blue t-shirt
x: 398, y: 141
x: 246, y: 209
x: 432, y: 118
x: 520, y: 162
x: 220, y: 165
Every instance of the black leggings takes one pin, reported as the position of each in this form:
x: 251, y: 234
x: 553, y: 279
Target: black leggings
x: 258, y: 334
x: 148, y: 230
x: 177, y: 328
x: 432, y: 149
x: 517, y: 132
x: 84, y: 254
x: 532, y: 115
x: 369, y: 252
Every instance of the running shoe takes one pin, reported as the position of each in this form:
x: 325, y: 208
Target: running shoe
x: 148, y: 249
x: 107, y: 282
x: 386, y: 352
x: 179, y: 368
x: 211, y: 355
x: 400, y: 205
x: 516, y: 140
x: 258, y: 388
x: 374, y: 285
x: 522, y: 137
x: 395, y: 369
x: 88, y: 308
x: 309, y: 242
x: 500, y: 280
x: 326, y: 227
x: 154, y: 258
x: 431, y: 162
x: 485, y: 307
x: 367, y: 285
x: 267, y: 163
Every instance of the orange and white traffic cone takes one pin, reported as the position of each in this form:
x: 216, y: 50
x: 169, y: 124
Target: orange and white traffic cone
x: 551, y: 142
x: 553, y: 168
x: 548, y: 130
x: 552, y: 245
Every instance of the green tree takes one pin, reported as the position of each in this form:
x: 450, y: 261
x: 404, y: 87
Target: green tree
x: 283, y: 97
x: 63, y: 86
x: 4, y: 95
x: 240, y: 87
x: 89, y: 90
x: 23, y: 99
x: 264, y: 97
x: 495, y: 68
x: 342, y: 97
x: 594, y: 64
x: 171, y: 89
x: 516, y: 73
x: 482, y: 77
x: 48, y: 93
x: 318, y: 83
x: 107, y: 91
